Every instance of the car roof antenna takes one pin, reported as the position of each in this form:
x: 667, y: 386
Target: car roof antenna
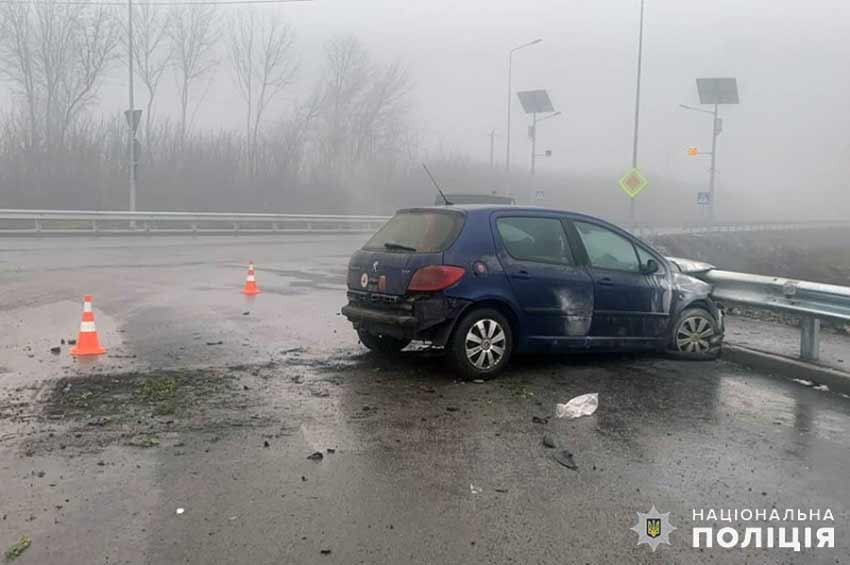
x: 437, y: 186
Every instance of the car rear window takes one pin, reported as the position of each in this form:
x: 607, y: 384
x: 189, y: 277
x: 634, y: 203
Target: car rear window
x: 424, y: 231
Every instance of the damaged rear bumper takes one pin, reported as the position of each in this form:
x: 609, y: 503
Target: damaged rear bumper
x: 422, y: 317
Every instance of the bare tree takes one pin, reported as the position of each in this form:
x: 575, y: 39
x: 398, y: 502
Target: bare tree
x: 17, y: 61
x: 363, y: 112
x: 94, y: 40
x: 347, y: 74
x: 152, y: 52
x: 56, y: 55
x: 192, y: 31
x: 262, y: 53
x: 381, y: 112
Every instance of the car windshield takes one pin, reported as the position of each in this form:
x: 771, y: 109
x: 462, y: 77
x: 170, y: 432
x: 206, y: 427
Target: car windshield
x: 420, y: 231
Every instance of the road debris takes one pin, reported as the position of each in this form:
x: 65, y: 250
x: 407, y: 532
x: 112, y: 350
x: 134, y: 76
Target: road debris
x: 317, y: 456
x: 822, y: 388
x: 583, y: 405
x: 804, y: 382
x: 325, y: 551
x: 474, y: 489
x: 56, y: 350
x: 180, y: 511
x: 549, y: 441
x: 18, y: 548
x: 215, y: 343
x: 565, y: 458
x: 144, y: 441
x: 266, y: 443
x: 539, y: 420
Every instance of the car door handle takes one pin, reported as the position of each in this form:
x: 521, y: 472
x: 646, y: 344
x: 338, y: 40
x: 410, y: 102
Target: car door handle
x: 521, y: 274
x: 606, y: 281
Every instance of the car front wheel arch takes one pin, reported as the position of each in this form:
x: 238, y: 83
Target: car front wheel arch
x: 696, y: 334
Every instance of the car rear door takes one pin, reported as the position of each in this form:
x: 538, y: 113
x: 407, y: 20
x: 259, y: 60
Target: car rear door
x: 555, y: 294
x: 628, y: 303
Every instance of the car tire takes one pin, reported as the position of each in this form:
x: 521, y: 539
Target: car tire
x: 380, y: 343
x: 696, y: 335
x: 481, y: 344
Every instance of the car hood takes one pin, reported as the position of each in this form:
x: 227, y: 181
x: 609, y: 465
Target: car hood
x: 690, y: 266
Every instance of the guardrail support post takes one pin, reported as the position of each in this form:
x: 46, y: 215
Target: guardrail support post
x: 809, y: 338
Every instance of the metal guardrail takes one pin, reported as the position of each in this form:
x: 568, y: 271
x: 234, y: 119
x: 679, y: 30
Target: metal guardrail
x: 811, y: 301
x: 81, y: 222
x: 652, y: 231
x: 70, y: 222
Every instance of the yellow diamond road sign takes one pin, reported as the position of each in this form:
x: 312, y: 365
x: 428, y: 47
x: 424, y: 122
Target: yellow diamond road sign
x: 633, y: 182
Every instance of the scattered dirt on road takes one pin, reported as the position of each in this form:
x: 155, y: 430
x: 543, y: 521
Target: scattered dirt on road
x: 129, y: 396
x: 91, y: 412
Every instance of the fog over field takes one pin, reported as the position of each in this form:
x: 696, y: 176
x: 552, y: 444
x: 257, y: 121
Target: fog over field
x: 359, y: 93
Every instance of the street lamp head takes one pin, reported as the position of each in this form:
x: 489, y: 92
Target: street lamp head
x: 524, y: 45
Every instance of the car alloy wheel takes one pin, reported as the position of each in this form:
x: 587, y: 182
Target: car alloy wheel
x: 485, y: 344
x: 694, y: 334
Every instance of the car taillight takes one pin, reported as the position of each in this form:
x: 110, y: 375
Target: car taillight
x: 434, y: 278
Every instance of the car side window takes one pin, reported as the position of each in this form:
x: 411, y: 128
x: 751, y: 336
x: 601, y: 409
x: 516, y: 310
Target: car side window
x: 535, y: 239
x: 606, y: 249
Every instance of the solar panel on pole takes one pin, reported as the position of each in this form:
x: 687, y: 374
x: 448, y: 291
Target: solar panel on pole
x: 535, y: 101
x: 717, y: 90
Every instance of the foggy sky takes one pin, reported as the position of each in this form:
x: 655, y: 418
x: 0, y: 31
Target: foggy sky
x: 784, y: 145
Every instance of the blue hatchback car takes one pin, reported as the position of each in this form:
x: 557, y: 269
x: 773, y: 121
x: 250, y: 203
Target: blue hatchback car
x: 484, y: 282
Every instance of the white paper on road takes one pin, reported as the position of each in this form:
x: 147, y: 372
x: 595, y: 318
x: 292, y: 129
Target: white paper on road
x: 583, y: 405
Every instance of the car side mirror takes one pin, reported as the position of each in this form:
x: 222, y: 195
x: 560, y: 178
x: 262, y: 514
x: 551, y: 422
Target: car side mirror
x: 650, y: 268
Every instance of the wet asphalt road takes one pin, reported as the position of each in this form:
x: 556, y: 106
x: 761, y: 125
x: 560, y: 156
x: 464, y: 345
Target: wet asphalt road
x: 425, y: 469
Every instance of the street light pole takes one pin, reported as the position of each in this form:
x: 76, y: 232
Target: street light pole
x: 131, y: 138
x: 492, y: 135
x: 534, y: 122
x: 510, y: 99
x: 715, y: 124
x: 533, y: 141
x: 637, y: 109
x: 713, y: 162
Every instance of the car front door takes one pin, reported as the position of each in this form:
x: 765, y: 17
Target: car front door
x: 555, y: 294
x: 629, y: 302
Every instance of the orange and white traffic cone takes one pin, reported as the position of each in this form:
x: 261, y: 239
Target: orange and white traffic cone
x: 87, y: 343
x: 250, y: 287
